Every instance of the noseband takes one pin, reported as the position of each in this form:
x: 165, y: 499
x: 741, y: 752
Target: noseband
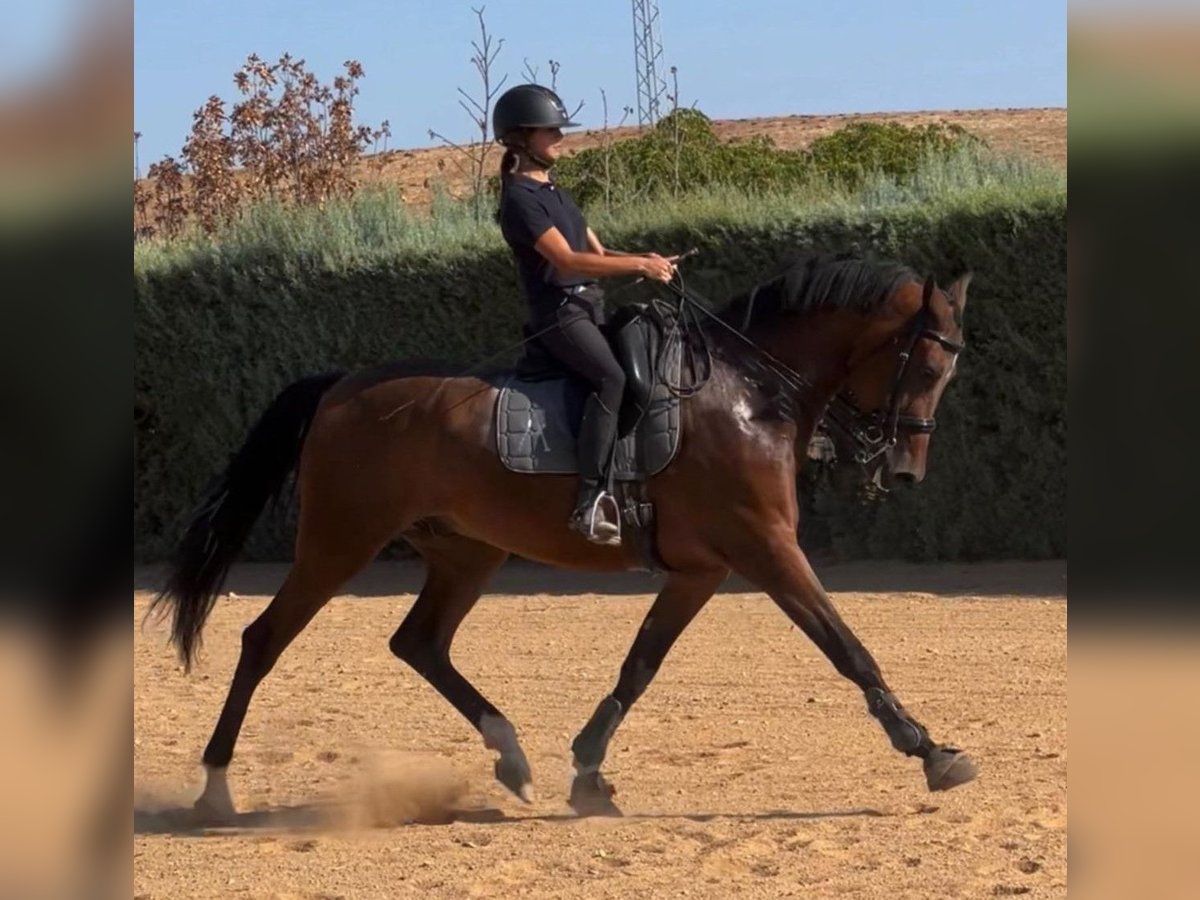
x: 876, y: 432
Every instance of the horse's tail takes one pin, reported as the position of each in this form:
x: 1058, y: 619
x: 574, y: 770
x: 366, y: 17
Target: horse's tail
x: 221, y: 522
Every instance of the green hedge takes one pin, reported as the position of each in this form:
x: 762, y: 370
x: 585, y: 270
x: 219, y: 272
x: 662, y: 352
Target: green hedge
x: 683, y: 149
x: 220, y: 329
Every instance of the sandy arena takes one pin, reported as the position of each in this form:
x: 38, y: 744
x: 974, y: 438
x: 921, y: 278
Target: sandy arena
x: 750, y: 768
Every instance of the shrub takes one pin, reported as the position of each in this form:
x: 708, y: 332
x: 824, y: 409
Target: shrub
x: 682, y: 153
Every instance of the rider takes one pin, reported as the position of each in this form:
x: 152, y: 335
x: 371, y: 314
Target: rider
x: 559, y: 259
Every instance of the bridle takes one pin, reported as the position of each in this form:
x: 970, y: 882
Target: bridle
x: 872, y: 433
x: 876, y: 432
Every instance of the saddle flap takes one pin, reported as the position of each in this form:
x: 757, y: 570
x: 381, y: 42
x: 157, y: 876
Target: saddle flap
x: 537, y: 420
x: 636, y: 344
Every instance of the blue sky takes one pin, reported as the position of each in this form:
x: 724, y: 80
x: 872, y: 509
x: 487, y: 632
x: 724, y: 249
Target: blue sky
x: 735, y: 59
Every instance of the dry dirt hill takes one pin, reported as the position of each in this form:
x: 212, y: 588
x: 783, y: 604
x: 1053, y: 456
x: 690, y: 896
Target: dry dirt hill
x: 1038, y: 133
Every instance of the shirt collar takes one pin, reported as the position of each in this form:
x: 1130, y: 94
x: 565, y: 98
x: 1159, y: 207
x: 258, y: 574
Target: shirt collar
x: 530, y: 184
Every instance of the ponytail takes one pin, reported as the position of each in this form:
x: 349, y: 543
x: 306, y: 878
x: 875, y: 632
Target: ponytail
x: 508, y: 165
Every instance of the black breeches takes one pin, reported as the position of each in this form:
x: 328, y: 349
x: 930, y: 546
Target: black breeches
x: 579, y: 345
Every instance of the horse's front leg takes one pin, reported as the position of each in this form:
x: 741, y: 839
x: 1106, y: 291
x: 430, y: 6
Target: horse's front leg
x: 774, y: 562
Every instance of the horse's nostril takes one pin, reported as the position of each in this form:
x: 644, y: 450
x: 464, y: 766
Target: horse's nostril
x: 906, y: 477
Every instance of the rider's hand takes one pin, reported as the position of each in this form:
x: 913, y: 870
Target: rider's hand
x: 658, y: 267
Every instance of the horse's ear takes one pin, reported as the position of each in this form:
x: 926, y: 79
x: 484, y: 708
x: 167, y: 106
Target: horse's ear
x: 958, y: 290
x: 927, y: 293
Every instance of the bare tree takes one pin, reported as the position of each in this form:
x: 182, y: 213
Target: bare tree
x: 676, y: 132
x: 554, y: 67
x: 475, y: 155
x: 531, y: 75
x: 606, y: 145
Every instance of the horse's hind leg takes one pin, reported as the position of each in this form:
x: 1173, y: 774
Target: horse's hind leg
x: 681, y: 598
x: 312, y: 580
x: 458, y: 570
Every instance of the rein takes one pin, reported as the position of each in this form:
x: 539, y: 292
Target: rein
x: 873, y: 433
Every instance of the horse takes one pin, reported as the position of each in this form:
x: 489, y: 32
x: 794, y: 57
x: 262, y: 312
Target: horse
x: 408, y: 450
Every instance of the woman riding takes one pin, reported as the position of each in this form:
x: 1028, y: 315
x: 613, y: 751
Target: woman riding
x: 559, y: 258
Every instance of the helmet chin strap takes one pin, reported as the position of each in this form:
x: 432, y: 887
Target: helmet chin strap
x: 525, y: 151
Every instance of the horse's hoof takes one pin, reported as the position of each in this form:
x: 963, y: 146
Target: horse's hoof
x: 215, y: 803
x: 209, y: 813
x: 946, y: 768
x: 591, y: 795
x: 514, y: 774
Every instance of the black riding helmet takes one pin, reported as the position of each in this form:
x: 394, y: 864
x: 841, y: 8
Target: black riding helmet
x: 528, y: 106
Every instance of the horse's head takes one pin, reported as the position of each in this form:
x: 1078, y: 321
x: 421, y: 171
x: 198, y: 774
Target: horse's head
x: 897, y: 378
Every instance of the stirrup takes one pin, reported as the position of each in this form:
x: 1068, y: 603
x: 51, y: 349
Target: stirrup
x: 587, y: 521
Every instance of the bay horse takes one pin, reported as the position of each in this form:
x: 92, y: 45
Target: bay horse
x: 408, y: 450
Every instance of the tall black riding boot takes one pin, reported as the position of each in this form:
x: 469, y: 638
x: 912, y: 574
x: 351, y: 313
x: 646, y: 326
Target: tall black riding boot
x: 596, y: 515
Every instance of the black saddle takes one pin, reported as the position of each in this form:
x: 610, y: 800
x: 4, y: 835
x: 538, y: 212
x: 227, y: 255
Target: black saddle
x: 540, y: 404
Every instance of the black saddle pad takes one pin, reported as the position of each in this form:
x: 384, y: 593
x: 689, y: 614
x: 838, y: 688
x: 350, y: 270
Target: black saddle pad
x: 537, y: 424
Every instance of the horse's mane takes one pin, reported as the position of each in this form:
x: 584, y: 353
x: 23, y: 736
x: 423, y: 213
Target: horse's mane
x: 815, y: 281
x: 804, y: 283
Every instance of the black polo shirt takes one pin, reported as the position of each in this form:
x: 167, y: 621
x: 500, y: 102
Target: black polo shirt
x: 528, y: 208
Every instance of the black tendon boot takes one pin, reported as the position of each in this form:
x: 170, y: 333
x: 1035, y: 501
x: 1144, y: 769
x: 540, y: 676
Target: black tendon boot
x: 596, y: 516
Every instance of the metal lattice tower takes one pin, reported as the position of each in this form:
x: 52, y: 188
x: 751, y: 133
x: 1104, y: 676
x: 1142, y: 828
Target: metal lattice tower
x: 648, y: 54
